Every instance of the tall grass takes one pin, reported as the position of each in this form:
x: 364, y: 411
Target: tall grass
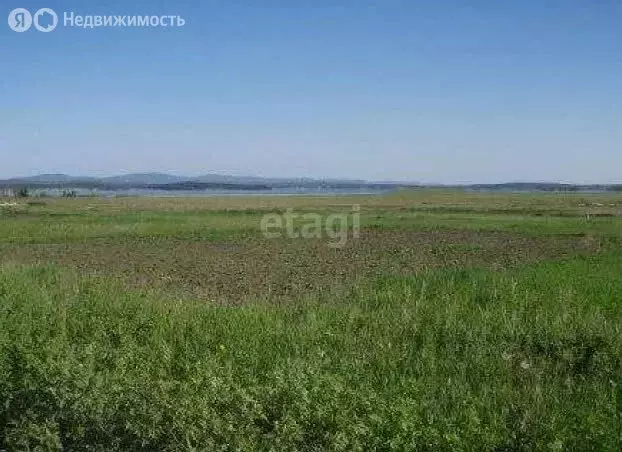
x: 528, y: 359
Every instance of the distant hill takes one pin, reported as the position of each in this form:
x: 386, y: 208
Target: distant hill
x: 280, y: 181
x: 144, y: 179
x: 214, y: 178
x: 169, y: 182
x: 55, y: 178
x: 163, y: 181
x: 194, y: 185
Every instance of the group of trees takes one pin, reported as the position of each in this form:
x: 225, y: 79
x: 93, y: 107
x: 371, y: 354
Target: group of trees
x: 24, y: 192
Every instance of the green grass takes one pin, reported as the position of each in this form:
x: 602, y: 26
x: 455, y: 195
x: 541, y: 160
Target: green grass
x: 61, y: 226
x: 526, y: 358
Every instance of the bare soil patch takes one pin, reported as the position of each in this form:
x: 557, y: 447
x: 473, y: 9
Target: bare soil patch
x: 257, y: 267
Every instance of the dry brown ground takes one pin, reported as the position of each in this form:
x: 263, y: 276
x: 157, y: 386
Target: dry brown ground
x: 257, y: 267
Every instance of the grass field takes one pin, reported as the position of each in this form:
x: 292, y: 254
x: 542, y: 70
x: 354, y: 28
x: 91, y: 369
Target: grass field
x: 455, y: 321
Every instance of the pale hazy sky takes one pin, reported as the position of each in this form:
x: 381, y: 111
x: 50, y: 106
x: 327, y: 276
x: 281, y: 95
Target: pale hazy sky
x: 430, y: 91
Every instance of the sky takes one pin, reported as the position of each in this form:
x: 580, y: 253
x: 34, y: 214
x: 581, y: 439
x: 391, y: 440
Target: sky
x: 406, y: 90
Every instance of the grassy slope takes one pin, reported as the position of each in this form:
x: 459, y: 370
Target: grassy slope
x: 525, y: 359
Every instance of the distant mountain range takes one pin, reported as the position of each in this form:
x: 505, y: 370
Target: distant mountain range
x: 136, y: 178
x: 163, y: 181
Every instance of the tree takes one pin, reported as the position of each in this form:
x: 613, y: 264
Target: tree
x: 23, y: 192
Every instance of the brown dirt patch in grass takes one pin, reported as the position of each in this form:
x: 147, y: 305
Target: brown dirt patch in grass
x: 257, y: 267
